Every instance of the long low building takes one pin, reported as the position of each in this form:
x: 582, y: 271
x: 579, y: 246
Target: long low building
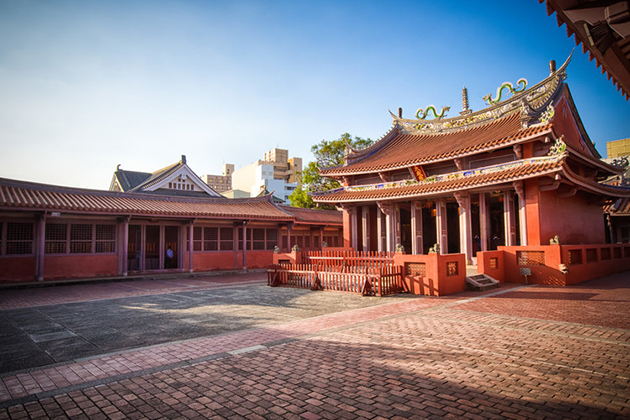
x: 52, y: 232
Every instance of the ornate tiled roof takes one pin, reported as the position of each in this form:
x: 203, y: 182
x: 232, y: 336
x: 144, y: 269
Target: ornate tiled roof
x: 527, y: 114
x: 405, y: 150
x: 20, y: 195
x: 459, y: 181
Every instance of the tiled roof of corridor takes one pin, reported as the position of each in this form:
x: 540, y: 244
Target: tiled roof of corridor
x: 21, y: 195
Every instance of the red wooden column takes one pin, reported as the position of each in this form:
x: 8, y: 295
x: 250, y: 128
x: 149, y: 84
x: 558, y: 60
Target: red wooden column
x: 388, y: 210
x: 522, y: 211
x: 40, y: 247
x: 190, y: 245
x: 484, y: 222
x: 380, y: 231
x: 123, y: 243
x: 321, y: 238
x: 465, y: 225
x: 509, y: 218
x: 441, y: 225
x: 244, y: 244
x: 365, y: 228
x: 417, y: 243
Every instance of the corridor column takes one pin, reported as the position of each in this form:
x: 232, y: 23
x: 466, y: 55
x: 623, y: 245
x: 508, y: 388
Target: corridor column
x: 190, y: 246
x: 484, y: 224
x: 508, y: 214
x: 441, y: 225
x: 40, y: 248
x: 123, y: 244
x: 388, y: 211
x: 365, y: 228
x: 465, y: 237
x: 417, y: 244
x: 522, y: 211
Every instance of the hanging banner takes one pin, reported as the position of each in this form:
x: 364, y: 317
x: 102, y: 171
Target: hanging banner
x: 418, y: 172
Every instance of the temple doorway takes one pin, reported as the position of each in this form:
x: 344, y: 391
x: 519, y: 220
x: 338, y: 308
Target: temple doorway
x: 429, y: 227
x: 405, y: 229
x: 496, y: 237
x: 452, y: 220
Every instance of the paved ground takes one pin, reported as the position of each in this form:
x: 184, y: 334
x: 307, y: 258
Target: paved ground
x: 521, y: 352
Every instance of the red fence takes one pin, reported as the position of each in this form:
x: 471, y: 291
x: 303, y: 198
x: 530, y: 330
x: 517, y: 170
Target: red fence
x: 370, y: 281
x: 558, y: 265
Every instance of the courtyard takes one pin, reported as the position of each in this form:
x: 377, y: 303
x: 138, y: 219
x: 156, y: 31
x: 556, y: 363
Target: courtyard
x: 231, y: 347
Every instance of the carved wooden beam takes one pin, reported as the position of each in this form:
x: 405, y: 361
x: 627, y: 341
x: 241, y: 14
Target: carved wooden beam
x: 520, y: 190
x: 385, y: 208
x: 385, y: 176
x: 518, y: 151
x: 461, y: 197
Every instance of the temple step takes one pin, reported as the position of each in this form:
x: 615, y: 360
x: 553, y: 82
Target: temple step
x: 481, y: 282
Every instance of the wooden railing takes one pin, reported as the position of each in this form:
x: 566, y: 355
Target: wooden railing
x: 345, y: 261
x: 370, y: 281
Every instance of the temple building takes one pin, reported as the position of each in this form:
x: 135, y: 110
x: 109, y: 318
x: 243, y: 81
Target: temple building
x: 161, y: 222
x: 521, y: 172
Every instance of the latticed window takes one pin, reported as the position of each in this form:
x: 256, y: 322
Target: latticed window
x: 272, y: 238
x: 416, y: 269
x: 197, y: 235
x: 105, y: 238
x: 19, y: 238
x: 80, y: 238
x: 530, y: 257
x: 617, y: 252
x: 210, y: 239
x: 591, y: 255
x: 605, y: 253
x: 258, y: 239
x: 56, y: 238
x: 494, y: 263
x: 226, y: 239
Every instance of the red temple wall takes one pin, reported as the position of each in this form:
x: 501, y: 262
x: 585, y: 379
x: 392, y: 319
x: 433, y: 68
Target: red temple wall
x: 532, y: 210
x: 17, y: 268
x: 78, y: 266
x: 574, y: 219
x: 228, y: 260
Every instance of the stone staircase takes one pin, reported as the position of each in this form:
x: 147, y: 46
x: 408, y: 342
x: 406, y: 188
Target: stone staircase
x: 481, y: 282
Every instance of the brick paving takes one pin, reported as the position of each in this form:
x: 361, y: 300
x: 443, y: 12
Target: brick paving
x: 505, y: 354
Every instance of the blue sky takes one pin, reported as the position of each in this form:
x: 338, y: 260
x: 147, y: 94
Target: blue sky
x: 86, y: 85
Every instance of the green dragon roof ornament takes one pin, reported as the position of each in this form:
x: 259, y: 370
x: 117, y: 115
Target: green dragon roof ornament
x: 421, y: 114
x: 521, y: 82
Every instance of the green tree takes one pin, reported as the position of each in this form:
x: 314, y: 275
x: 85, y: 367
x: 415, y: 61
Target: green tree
x: 327, y: 153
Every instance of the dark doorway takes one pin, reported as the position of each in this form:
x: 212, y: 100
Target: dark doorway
x: 171, y: 239
x: 405, y: 229
x: 452, y: 223
x: 475, y: 225
x: 134, y: 248
x: 497, y: 223
x: 152, y: 248
x: 429, y: 229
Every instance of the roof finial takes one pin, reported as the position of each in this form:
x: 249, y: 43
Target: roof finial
x: 465, y: 110
x: 184, y: 159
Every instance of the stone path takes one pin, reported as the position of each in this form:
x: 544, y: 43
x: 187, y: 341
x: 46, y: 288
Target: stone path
x: 521, y: 352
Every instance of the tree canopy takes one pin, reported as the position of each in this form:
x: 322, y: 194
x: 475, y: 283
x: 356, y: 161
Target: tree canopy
x: 327, y: 153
